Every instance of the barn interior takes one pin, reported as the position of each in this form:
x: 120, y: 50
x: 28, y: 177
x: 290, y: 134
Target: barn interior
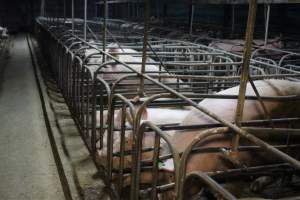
x: 149, y: 99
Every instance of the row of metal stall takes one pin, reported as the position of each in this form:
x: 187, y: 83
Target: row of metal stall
x: 129, y: 115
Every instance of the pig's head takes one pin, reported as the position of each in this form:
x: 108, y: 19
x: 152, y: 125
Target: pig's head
x: 101, y: 156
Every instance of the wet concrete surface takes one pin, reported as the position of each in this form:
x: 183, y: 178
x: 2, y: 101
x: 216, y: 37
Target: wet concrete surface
x: 27, y: 166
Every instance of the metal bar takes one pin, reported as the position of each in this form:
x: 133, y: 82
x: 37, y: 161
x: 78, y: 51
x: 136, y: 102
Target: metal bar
x: 42, y: 12
x: 104, y: 28
x: 192, y: 18
x: 137, y: 168
x: 73, y: 22
x: 145, y: 40
x: 267, y: 24
x: 245, y: 68
x: 187, y: 152
x: 65, y: 11
x: 266, y: 112
x: 85, y: 18
x: 155, y: 172
x: 269, y: 131
x: 243, y: 133
x: 122, y: 148
x: 232, y: 20
x: 212, y: 184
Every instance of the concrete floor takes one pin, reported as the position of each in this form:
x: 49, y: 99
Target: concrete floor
x: 27, y: 167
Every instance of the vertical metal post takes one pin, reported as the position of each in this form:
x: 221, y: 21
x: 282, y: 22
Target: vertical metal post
x: 42, y: 11
x: 128, y: 10
x: 157, y: 6
x: 145, y: 41
x: 232, y: 20
x: 85, y: 18
x: 245, y: 69
x: 105, y: 8
x: 267, y: 19
x: 192, y: 18
x: 73, y: 17
x: 134, y: 191
x: 65, y: 11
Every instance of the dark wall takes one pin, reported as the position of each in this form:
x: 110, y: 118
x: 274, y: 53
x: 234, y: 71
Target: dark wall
x: 284, y: 18
x: 19, y: 15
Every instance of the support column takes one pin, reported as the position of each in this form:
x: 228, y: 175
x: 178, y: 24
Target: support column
x: 105, y: 14
x: 72, y: 16
x: 245, y: 69
x: 85, y: 18
x: 192, y: 10
x: 232, y: 20
x: 267, y: 19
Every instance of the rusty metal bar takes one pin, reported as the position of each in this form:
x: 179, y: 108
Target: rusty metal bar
x: 122, y: 149
x: 245, y: 68
x: 237, y: 129
x: 212, y: 184
x: 186, y: 154
x: 266, y: 112
x: 105, y: 11
x: 267, y: 18
x: 137, y: 167
x: 155, y: 166
x: 145, y: 40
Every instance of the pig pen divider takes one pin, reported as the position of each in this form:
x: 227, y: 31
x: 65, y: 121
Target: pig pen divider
x: 178, y: 44
x: 69, y: 89
x: 212, y: 131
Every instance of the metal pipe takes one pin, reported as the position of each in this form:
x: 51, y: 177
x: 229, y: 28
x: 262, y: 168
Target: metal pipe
x: 212, y: 184
x: 140, y: 132
x: 73, y: 22
x: 192, y: 18
x: 104, y: 28
x: 267, y: 24
x: 65, y: 11
x: 42, y: 12
x: 85, y: 18
x: 145, y: 40
x: 245, y: 68
x: 266, y: 112
x: 232, y: 19
x: 235, y: 128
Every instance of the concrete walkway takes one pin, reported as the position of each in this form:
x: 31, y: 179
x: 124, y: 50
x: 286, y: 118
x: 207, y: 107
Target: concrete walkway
x: 27, y: 167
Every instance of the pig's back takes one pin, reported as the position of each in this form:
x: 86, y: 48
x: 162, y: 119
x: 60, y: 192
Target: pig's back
x: 226, y: 108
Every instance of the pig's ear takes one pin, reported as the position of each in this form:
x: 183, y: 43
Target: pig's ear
x: 144, y: 114
x: 118, y: 119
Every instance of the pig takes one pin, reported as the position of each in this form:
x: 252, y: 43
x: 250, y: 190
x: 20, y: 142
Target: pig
x: 109, y: 71
x: 158, y: 116
x: 226, y: 108
x: 237, y: 46
x: 222, y: 107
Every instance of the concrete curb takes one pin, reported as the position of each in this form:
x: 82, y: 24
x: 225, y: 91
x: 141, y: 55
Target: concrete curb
x: 75, y: 162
